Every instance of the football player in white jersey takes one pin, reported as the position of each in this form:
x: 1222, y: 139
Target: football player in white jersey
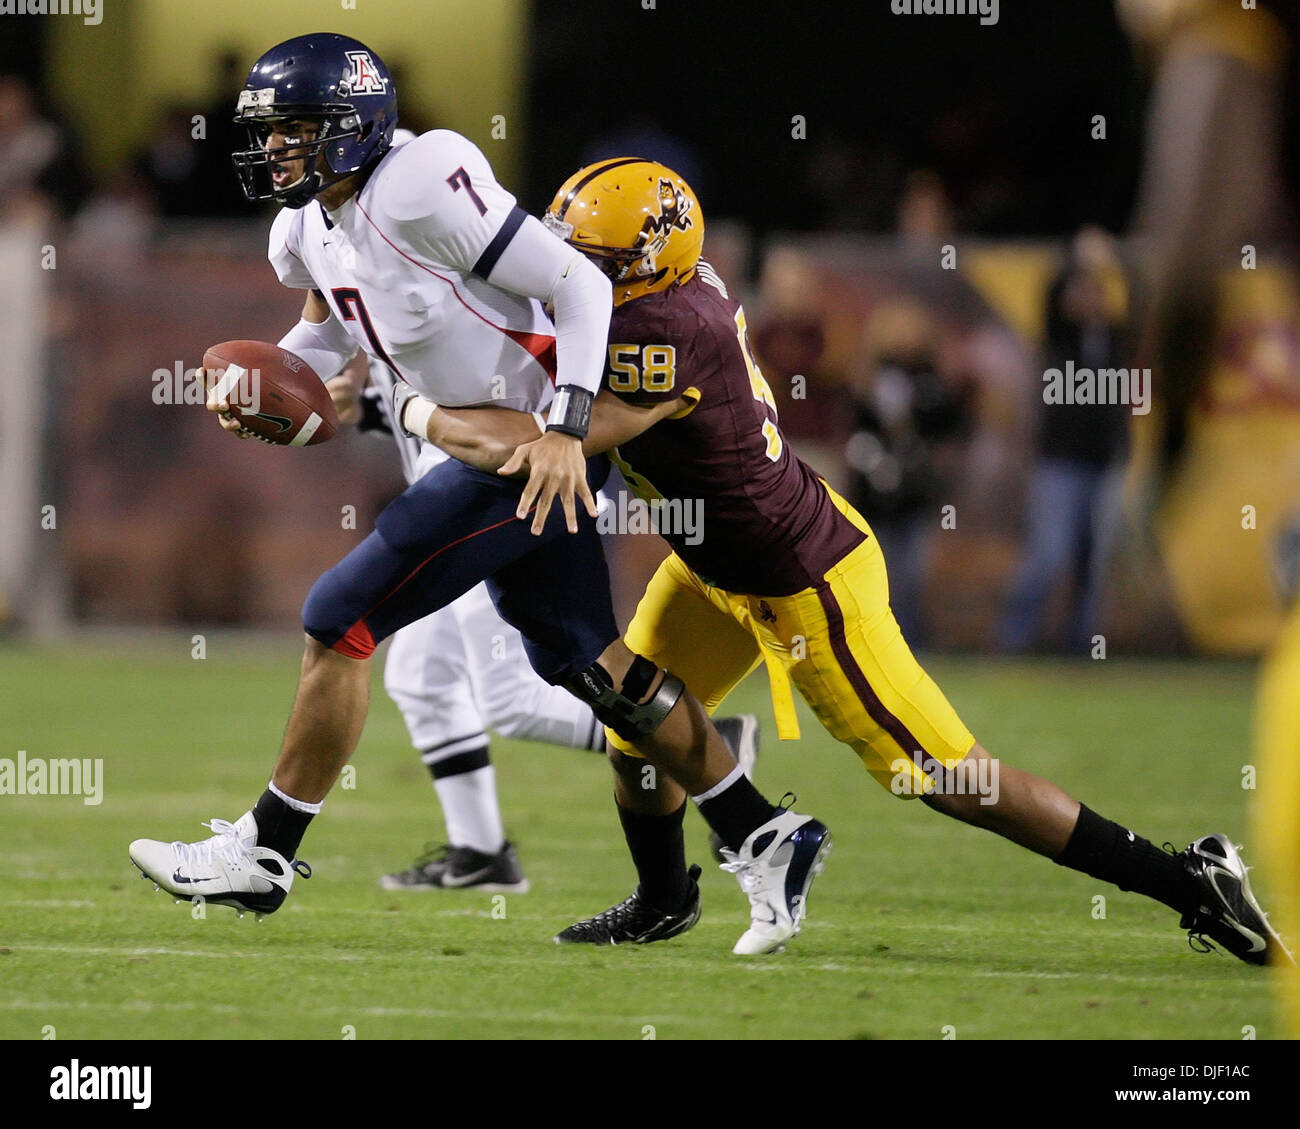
x: 415, y: 254
x: 418, y: 256
x: 453, y: 675
x: 461, y: 671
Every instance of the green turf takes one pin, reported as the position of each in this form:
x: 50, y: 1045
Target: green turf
x: 918, y: 924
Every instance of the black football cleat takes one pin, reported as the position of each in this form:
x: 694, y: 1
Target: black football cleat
x: 1228, y: 913
x: 462, y: 868
x: 634, y: 922
x: 741, y: 733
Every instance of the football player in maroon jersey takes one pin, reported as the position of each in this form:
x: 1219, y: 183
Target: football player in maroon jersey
x: 785, y: 573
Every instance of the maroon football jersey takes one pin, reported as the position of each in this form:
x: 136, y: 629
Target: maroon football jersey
x: 766, y: 523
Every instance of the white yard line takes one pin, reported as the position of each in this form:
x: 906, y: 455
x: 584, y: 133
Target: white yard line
x: 346, y: 1012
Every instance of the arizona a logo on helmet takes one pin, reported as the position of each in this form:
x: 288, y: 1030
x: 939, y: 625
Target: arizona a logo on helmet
x: 364, y: 77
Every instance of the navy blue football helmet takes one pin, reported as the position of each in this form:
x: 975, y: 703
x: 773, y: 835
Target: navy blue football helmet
x: 329, y: 79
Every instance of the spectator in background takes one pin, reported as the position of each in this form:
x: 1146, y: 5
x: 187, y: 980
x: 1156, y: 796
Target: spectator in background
x: 789, y: 341
x: 1221, y: 170
x: 904, y: 406
x: 212, y: 189
x: 842, y: 185
x: 169, y: 162
x: 186, y: 161
x: 38, y: 174
x: 924, y: 211
x: 1074, y: 492
x: 113, y: 229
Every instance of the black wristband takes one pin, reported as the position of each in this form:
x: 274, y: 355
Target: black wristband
x: 570, y: 410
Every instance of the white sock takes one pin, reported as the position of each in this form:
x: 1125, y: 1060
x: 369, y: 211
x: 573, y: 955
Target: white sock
x: 720, y: 787
x: 469, y: 805
x: 297, y: 805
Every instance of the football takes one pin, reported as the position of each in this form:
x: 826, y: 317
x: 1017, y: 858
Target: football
x: 273, y: 393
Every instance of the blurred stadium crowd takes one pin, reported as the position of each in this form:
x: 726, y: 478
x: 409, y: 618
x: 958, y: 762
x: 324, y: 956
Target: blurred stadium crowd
x: 909, y: 279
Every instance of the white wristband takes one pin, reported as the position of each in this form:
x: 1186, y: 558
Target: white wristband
x: 416, y: 416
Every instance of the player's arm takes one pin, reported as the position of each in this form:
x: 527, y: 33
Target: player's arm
x: 499, y: 439
x: 476, y: 224
x: 538, y: 265
x: 319, y: 337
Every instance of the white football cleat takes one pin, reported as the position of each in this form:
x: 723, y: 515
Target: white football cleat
x: 776, y: 866
x: 229, y: 869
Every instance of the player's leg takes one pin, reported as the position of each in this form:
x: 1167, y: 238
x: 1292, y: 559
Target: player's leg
x: 328, y: 713
x: 866, y: 687
x: 513, y: 699
x: 517, y: 703
x: 1205, y: 883
x: 436, y: 540
x: 414, y: 562
x: 547, y: 597
x: 427, y: 676
x: 775, y: 852
x: 679, y: 627
x: 649, y: 802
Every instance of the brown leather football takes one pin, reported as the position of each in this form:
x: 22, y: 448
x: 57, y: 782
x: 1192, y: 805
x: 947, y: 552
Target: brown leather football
x: 272, y: 392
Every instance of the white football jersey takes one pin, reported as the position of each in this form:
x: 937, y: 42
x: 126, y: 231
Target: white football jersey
x: 396, y: 265
x: 418, y: 455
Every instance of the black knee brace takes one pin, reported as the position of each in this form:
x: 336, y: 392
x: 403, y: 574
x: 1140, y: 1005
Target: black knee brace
x: 622, y: 710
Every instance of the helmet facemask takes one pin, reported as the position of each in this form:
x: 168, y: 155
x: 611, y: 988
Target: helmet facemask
x: 255, y: 165
x: 618, y: 264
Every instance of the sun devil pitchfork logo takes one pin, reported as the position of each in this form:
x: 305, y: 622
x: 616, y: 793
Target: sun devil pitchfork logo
x: 674, y: 215
x: 364, y: 77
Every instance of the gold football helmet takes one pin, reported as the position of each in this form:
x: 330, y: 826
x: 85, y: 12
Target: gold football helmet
x: 635, y: 219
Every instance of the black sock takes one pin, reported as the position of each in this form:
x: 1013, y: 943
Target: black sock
x: 279, y: 826
x: 1108, y: 851
x: 659, y: 853
x: 735, y: 813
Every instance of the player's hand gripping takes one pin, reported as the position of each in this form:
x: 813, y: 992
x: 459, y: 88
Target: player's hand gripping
x: 222, y: 407
x: 556, y: 468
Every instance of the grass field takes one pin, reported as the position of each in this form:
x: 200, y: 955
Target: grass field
x: 918, y: 924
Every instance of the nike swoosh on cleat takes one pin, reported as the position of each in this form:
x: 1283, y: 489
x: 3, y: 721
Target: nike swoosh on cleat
x: 466, y: 879
x: 177, y: 877
x: 1257, y: 943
